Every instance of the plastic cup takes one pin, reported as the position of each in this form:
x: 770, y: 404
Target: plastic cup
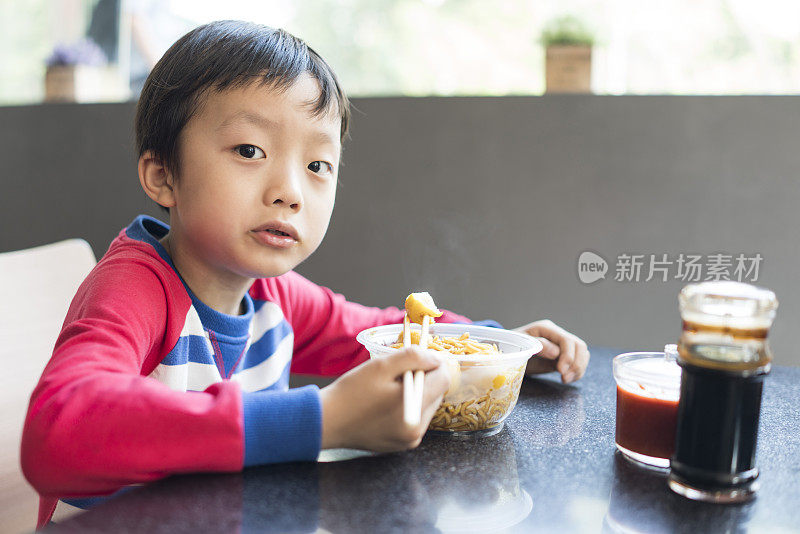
x: 648, y: 388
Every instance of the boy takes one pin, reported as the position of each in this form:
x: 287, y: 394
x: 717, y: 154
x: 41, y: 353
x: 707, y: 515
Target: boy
x: 176, y: 351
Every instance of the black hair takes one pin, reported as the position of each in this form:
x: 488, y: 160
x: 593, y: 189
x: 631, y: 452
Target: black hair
x: 221, y: 55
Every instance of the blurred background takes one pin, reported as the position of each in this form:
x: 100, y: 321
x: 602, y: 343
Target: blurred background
x: 432, y: 47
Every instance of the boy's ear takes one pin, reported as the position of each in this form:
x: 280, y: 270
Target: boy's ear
x: 156, y: 180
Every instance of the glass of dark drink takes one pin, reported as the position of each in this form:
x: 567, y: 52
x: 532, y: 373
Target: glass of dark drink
x: 648, y: 385
x: 724, y: 357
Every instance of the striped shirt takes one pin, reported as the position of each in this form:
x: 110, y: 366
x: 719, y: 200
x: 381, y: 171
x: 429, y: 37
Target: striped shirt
x: 147, y: 381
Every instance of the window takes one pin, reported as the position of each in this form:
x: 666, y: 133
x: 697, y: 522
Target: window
x: 456, y: 47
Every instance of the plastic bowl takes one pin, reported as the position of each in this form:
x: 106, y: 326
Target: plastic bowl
x: 489, y: 384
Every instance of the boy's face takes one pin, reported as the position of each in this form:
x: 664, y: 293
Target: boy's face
x: 257, y: 183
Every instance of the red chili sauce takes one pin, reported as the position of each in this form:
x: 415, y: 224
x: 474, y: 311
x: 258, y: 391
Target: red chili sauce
x: 646, y: 425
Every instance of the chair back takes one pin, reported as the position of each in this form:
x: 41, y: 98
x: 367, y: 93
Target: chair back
x: 36, y: 288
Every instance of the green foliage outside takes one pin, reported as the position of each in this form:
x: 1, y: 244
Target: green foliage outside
x: 475, y: 47
x: 567, y: 30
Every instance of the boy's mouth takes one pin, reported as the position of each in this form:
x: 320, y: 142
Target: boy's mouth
x: 278, y: 229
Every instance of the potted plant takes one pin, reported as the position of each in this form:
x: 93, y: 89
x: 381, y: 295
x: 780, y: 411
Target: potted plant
x: 568, y: 44
x: 74, y: 72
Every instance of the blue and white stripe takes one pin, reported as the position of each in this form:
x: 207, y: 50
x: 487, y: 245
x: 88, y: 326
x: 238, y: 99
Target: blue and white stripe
x: 190, y: 365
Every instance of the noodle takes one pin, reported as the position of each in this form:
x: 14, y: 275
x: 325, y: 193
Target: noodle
x: 483, y: 392
x: 472, y: 407
x: 461, y: 345
x: 480, y: 412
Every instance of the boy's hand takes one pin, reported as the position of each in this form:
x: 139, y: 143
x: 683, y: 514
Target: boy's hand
x: 363, y: 409
x: 562, y: 352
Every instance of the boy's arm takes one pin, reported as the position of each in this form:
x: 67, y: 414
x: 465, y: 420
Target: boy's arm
x: 94, y: 423
x: 325, y: 325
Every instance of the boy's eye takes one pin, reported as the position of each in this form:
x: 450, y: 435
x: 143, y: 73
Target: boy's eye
x: 250, y: 152
x: 320, y: 167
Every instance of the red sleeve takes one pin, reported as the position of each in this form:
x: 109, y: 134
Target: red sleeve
x: 94, y: 422
x: 325, y: 324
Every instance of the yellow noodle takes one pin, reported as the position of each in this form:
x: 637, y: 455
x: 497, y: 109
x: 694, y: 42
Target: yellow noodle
x: 478, y: 413
x: 480, y: 410
x: 455, y: 345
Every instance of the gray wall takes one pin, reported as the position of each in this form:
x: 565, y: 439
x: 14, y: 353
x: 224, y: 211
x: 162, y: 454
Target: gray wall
x: 485, y: 202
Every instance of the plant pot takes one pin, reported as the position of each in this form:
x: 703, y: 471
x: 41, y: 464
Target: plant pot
x: 73, y: 83
x: 568, y: 69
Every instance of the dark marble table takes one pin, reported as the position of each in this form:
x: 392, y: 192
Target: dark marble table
x: 553, y: 468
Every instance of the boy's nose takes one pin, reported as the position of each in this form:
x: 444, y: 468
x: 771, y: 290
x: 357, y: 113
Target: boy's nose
x: 285, y: 190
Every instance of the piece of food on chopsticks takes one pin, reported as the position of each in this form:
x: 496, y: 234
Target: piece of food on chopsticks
x: 419, y: 308
x: 418, y: 305
x: 478, y: 397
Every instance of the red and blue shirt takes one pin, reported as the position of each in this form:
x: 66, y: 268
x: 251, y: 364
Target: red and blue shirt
x: 147, y: 381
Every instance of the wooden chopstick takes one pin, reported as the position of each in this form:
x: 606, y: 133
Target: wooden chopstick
x: 419, y: 376
x: 411, y: 411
